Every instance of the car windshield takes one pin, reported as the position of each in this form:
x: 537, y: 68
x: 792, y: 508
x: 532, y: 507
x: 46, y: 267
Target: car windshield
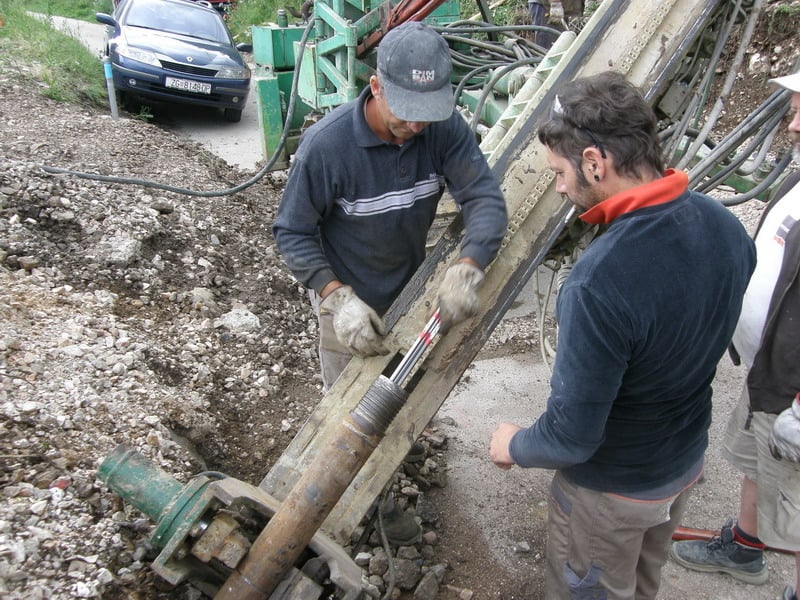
x: 176, y: 18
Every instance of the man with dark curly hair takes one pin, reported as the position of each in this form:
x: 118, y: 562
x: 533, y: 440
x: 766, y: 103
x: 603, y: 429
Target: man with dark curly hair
x: 644, y: 317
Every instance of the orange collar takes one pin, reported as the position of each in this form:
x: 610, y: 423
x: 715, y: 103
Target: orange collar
x: 673, y: 184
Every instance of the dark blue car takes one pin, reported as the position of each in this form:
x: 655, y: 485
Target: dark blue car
x: 176, y: 51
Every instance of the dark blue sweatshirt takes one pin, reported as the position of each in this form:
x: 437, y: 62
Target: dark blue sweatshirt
x: 358, y: 209
x: 644, y: 317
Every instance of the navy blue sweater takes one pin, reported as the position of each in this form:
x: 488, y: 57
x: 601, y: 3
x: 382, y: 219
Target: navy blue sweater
x: 644, y: 317
x: 358, y: 209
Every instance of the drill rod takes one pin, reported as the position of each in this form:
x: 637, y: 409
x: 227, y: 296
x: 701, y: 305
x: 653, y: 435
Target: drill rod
x: 322, y: 484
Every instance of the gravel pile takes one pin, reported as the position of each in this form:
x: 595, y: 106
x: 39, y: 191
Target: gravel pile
x: 138, y: 316
x: 129, y: 315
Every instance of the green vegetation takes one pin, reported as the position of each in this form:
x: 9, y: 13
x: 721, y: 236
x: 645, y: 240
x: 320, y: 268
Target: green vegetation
x: 74, y: 9
x: 511, y: 12
x: 783, y: 20
x: 246, y: 13
x: 68, y: 70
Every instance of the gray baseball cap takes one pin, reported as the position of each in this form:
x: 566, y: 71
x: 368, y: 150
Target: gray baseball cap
x: 790, y: 82
x: 415, y: 67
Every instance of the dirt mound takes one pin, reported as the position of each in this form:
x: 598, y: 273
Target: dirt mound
x: 116, y: 304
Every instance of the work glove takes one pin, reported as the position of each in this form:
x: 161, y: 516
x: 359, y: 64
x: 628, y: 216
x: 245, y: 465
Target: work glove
x: 357, y: 326
x: 458, y: 299
x: 784, y: 439
x: 556, y: 12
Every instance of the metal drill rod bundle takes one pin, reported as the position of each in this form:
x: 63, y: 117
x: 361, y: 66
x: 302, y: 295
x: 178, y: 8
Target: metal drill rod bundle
x: 424, y: 340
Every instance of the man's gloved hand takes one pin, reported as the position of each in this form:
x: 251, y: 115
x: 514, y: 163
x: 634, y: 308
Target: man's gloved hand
x: 784, y: 440
x: 457, y: 294
x: 556, y: 12
x: 357, y: 326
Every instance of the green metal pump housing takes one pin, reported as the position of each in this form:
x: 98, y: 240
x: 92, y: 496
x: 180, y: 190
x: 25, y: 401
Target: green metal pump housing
x: 206, y: 527
x: 333, y: 68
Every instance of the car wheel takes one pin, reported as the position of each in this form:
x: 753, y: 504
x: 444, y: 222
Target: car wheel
x: 233, y: 115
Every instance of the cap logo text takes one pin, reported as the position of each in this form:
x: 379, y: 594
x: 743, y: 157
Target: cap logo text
x: 421, y: 76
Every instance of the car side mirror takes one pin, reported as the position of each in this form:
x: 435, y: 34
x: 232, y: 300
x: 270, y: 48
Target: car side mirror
x: 244, y: 47
x: 105, y: 19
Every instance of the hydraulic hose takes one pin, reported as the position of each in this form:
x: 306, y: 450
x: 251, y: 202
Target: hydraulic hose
x: 489, y: 86
x: 774, y: 106
x: 762, y: 186
x: 734, y: 69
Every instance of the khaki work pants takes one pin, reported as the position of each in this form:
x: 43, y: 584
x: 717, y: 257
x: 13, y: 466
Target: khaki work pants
x: 607, y: 547
x: 746, y: 446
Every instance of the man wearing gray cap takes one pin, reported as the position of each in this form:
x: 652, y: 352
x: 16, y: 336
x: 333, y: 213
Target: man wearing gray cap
x: 363, y: 190
x: 763, y: 435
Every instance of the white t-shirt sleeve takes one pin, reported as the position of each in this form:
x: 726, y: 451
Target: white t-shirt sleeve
x: 770, y: 243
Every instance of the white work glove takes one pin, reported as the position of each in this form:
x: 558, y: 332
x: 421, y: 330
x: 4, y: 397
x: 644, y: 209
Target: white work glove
x: 357, y: 326
x: 784, y: 440
x: 556, y: 12
x: 458, y: 299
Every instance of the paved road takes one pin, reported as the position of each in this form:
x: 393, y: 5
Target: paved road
x: 239, y: 144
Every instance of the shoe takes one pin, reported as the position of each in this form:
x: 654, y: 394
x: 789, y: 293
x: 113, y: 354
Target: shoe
x: 401, y: 528
x: 722, y: 554
x: 788, y: 593
x: 416, y: 453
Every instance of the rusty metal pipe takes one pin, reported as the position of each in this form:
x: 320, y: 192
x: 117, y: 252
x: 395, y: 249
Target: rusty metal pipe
x: 314, y: 495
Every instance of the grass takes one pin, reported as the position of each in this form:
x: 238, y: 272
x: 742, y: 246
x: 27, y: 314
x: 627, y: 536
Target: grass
x: 76, y: 9
x: 246, y: 13
x: 56, y: 64
x: 60, y: 67
x: 243, y: 14
x: 782, y: 19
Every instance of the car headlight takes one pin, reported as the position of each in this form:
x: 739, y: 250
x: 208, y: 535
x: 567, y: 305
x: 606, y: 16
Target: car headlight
x: 139, y: 55
x: 233, y: 73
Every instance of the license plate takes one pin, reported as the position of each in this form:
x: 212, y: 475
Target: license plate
x: 198, y: 87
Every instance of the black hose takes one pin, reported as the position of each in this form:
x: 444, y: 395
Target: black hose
x: 735, y: 162
x: 208, y: 194
x: 767, y: 111
x: 213, y: 474
x: 489, y: 86
x: 387, y: 548
x: 768, y: 181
